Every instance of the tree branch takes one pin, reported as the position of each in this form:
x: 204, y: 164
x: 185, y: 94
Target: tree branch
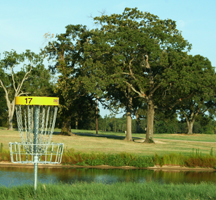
x: 23, y: 93
x: 131, y: 72
x: 12, y: 75
x: 24, y: 79
x: 141, y: 93
x: 185, y: 116
x: 155, y: 88
x: 4, y: 88
x: 6, y: 96
x: 179, y: 100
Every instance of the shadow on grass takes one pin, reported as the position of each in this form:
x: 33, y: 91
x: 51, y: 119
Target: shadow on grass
x: 109, y: 136
x: 6, y: 129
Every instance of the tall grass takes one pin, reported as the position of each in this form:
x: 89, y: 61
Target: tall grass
x: 195, y: 159
x: 93, y: 159
x: 99, y: 191
x: 4, y: 154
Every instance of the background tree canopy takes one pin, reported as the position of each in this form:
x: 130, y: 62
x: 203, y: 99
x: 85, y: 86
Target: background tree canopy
x: 134, y: 61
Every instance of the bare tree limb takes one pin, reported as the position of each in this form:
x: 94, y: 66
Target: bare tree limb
x: 185, y: 116
x: 12, y: 75
x: 131, y: 72
x: 24, y: 79
x: 141, y: 93
x: 181, y: 99
x: 23, y: 93
x: 147, y: 63
x: 154, y: 89
x: 5, y: 90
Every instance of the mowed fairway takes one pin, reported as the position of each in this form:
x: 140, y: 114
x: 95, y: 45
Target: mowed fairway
x: 109, y: 142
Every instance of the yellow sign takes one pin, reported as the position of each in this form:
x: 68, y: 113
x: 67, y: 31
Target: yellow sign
x: 41, y: 101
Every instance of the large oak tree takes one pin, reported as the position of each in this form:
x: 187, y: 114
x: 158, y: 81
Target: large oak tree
x: 140, y: 51
x: 67, y: 55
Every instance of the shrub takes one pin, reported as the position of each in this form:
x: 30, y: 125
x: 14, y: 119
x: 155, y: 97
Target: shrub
x: 142, y: 162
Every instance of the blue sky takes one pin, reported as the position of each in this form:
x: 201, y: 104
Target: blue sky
x: 23, y: 23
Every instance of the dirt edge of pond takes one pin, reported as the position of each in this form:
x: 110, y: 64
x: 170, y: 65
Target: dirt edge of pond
x: 155, y: 168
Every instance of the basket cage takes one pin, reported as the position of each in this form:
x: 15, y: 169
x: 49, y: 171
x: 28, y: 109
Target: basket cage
x: 51, y: 154
x: 36, y: 125
x: 43, y: 117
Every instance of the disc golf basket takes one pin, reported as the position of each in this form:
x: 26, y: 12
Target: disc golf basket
x: 36, y: 118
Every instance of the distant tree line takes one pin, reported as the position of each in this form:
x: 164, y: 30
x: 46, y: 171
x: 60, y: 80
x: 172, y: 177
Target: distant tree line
x: 112, y: 124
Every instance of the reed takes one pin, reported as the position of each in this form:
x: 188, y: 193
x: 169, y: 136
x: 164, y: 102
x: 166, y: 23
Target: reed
x: 195, y: 159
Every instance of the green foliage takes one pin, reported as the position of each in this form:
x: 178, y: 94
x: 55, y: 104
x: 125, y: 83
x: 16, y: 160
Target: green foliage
x: 162, y: 125
x: 140, y: 56
x: 132, y: 54
x: 142, y: 162
x: 40, y: 82
x: 76, y: 101
x: 95, y: 162
x: 14, y: 83
x: 201, y: 76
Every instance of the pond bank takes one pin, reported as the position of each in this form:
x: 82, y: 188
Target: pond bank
x: 155, y: 168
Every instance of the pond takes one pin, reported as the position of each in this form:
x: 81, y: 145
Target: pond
x: 18, y: 176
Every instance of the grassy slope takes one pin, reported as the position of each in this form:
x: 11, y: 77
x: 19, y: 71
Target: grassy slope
x: 109, y: 142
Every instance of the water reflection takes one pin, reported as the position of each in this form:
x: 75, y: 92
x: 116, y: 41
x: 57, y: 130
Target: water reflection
x: 19, y: 176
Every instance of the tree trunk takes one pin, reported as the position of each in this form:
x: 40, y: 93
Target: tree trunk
x: 11, y: 108
x: 66, y: 127
x: 76, y: 123
x: 129, y: 127
x: 129, y: 120
x: 150, y: 122
x: 10, y: 122
x: 96, y: 120
x: 137, y: 123
x: 190, y: 121
x: 190, y: 127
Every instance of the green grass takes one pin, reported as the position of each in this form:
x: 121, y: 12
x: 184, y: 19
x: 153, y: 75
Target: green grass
x: 99, y: 191
x: 86, y: 141
x: 184, y: 137
x: 164, y: 136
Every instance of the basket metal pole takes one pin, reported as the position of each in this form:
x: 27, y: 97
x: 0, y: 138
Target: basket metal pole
x: 36, y: 125
x: 34, y: 139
